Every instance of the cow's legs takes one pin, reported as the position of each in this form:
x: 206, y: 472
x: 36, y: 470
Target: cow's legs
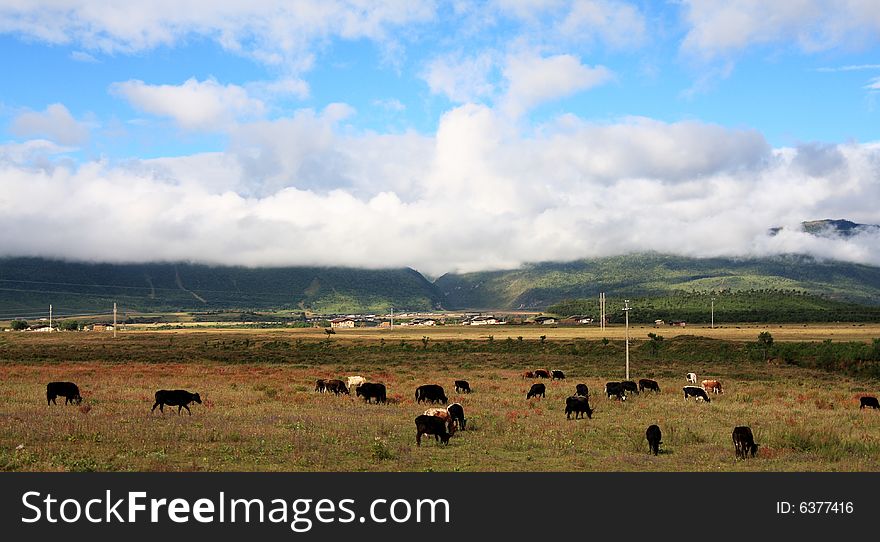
x: 188, y: 410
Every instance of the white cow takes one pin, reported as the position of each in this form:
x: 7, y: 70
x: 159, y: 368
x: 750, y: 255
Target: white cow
x: 354, y: 381
x: 692, y: 378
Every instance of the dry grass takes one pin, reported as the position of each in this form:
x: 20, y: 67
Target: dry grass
x: 266, y: 416
x: 734, y: 332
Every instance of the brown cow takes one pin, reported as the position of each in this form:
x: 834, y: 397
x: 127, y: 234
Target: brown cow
x: 528, y: 374
x: 712, y: 385
x: 542, y: 373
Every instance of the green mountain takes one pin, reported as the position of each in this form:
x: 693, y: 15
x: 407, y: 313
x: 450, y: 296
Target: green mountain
x: 28, y: 285
x: 829, y: 227
x: 675, y: 284
x: 540, y: 285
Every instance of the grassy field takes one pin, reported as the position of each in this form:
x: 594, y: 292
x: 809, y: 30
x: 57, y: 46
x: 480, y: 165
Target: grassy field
x: 260, y: 411
x: 742, y: 332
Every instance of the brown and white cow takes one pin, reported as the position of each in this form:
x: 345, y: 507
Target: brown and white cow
x: 444, y: 415
x: 712, y: 385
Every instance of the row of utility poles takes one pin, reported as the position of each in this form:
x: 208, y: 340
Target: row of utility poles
x: 114, y: 318
x: 626, y: 309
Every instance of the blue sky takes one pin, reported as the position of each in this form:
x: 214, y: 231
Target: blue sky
x: 513, y: 116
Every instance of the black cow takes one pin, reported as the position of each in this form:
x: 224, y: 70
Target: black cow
x: 578, y: 404
x: 179, y: 398
x: 615, y: 389
x: 542, y: 373
x: 321, y: 385
x: 431, y: 425
x: 462, y: 386
x: 653, y: 435
x: 456, y: 412
x: 370, y: 390
x: 744, y: 442
x: 648, y: 384
x: 536, y: 390
x: 582, y: 390
x: 557, y: 375
x: 629, y: 385
x: 336, y: 386
x: 868, y: 402
x: 68, y: 390
x: 695, y: 391
x: 432, y: 393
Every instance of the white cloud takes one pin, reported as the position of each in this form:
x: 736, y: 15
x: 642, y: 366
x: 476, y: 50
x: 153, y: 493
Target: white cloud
x: 461, y: 78
x: 719, y: 27
x: 849, y: 68
x: 533, y: 79
x: 390, y: 104
x: 873, y: 84
x: 55, y: 123
x: 480, y: 193
x: 193, y: 105
x: 272, y: 31
x: 616, y: 24
x: 81, y: 56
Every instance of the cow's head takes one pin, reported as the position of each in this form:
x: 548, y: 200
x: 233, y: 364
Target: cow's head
x: 754, y: 449
x: 196, y: 398
x: 77, y: 399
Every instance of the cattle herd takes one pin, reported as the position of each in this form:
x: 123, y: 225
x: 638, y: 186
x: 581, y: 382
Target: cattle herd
x: 442, y: 422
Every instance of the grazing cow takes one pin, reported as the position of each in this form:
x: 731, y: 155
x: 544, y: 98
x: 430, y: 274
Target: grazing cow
x: 536, y: 390
x: 370, y: 390
x: 542, y: 373
x: 692, y: 378
x: 557, y: 375
x: 629, y: 385
x: 648, y: 384
x: 694, y: 391
x: 712, y: 385
x: 444, y: 415
x: 353, y: 382
x: 68, y: 390
x: 462, y: 386
x: 744, y: 442
x: 336, y: 386
x: 432, y: 393
x: 615, y: 389
x: 582, y: 390
x: 321, y: 385
x: 653, y: 435
x: 579, y: 405
x: 528, y: 374
x: 179, y: 398
x: 457, y: 412
x: 431, y: 425
x: 868, y: 402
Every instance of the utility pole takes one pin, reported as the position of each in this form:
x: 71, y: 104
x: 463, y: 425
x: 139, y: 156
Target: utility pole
x: 713, y: 313
x: 392, y: 317
x: 626, y: 309
x: 602, y: 310
x: 114, y: 319
x: 50, y: 317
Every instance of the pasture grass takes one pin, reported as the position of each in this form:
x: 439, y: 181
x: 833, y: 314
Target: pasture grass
x: 260, y: 412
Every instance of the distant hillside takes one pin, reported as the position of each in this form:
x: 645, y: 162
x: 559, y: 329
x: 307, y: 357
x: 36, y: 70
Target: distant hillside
x: 27, y: 284
x: 777, y: 306
x: 538, y: 286
x: 829, y: 227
